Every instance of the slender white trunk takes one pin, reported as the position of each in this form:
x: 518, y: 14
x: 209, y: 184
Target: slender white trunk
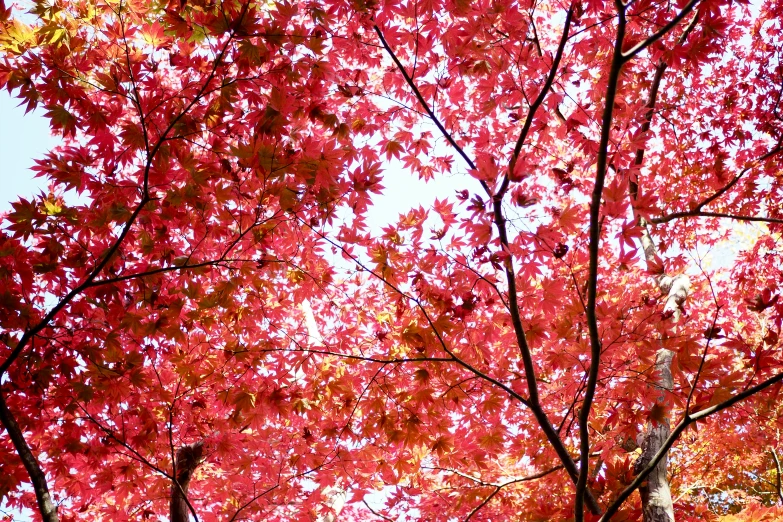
x: 656, y: 495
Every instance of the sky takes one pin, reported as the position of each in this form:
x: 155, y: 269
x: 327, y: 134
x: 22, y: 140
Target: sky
x: 26, y: 137
x: 22, y: 138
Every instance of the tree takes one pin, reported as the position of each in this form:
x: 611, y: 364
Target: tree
x: 198, y: 320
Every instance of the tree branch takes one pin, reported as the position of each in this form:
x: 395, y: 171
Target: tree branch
x: 722, y: 215
x: 30, y: 333
x: 379, y: 515
x: 641, y: 46
x: 697, y: 210
x: 736, y: 178
x: 500, y: 221
x: 483, y: 503
x: 426, y: 107
x: 675, y: 434
x: 538, y: 412
x: 710, y: 334
x: 594, y: 246
x: 537, y: 102
x: 420, y: 306
x: 45, y: 505
x: 651, y: 102
x: 7, y: 418
x: 253, y: 499
x: 778, y: 472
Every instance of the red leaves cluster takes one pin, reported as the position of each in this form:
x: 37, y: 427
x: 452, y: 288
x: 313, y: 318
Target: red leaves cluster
x: 205, y: 270
x: 762, y: 301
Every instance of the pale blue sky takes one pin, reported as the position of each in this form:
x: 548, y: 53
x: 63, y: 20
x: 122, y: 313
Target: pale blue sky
x: 22, y: 138
x: 25, y: 137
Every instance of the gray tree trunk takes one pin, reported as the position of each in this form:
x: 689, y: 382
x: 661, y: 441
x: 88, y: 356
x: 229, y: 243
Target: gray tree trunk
x: 656, y: 496
x: 657, y: 504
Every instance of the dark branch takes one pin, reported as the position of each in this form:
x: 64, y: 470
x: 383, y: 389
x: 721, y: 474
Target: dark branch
x: 379, y: 515
x: 483, y: 503
x: 736, y: 178
x: 45, y: 505
x: 594, y: 247
x: 722, y: 215
x: 641, y: 46
x: 650, y: 106
x: 426, y: 106
x: 697, y: 210
x: 500, y: 222
x: 538, y: 101
x: 675, y: 434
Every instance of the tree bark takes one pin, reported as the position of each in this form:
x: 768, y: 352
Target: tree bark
x: 778, y: 474
x: 657, y: 505
x: 45, y: 505
x: 656, y: 495
x: 188, y: 459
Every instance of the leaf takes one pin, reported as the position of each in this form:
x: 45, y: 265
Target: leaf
x: 155, y: 36
x: 560, y: 250
x: 393, y: 149
x: 762, y: 301
x: 52, y: 207
x: 61, y: 119
x: 655, y: 266
x: 244, y: 400
x: 569, y: 219
x: 288, y: 199
x: 16, y: 35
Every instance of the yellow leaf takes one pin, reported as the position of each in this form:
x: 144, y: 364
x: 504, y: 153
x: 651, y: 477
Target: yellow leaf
x: 244, y: 400
x: 52, y: 207
x: 15, y: 37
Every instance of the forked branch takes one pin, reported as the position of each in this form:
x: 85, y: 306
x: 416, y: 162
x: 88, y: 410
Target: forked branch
x: 500, y: 221
x: 675, y: 434
x: 594, y: 247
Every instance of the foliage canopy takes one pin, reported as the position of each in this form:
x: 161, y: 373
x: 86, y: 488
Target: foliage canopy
x: 198, y: 319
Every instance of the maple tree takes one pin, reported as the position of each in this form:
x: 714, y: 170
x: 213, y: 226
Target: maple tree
x: 198, y: 320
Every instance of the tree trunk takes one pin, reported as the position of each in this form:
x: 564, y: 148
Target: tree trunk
x: 656, y: 496
x: 45, y: 505
x: 188, y: 459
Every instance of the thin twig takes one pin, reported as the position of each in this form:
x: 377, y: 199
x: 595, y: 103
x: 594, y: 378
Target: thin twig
x: 778, y: 473
x: 641, y: 46
x: 426, y: 106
